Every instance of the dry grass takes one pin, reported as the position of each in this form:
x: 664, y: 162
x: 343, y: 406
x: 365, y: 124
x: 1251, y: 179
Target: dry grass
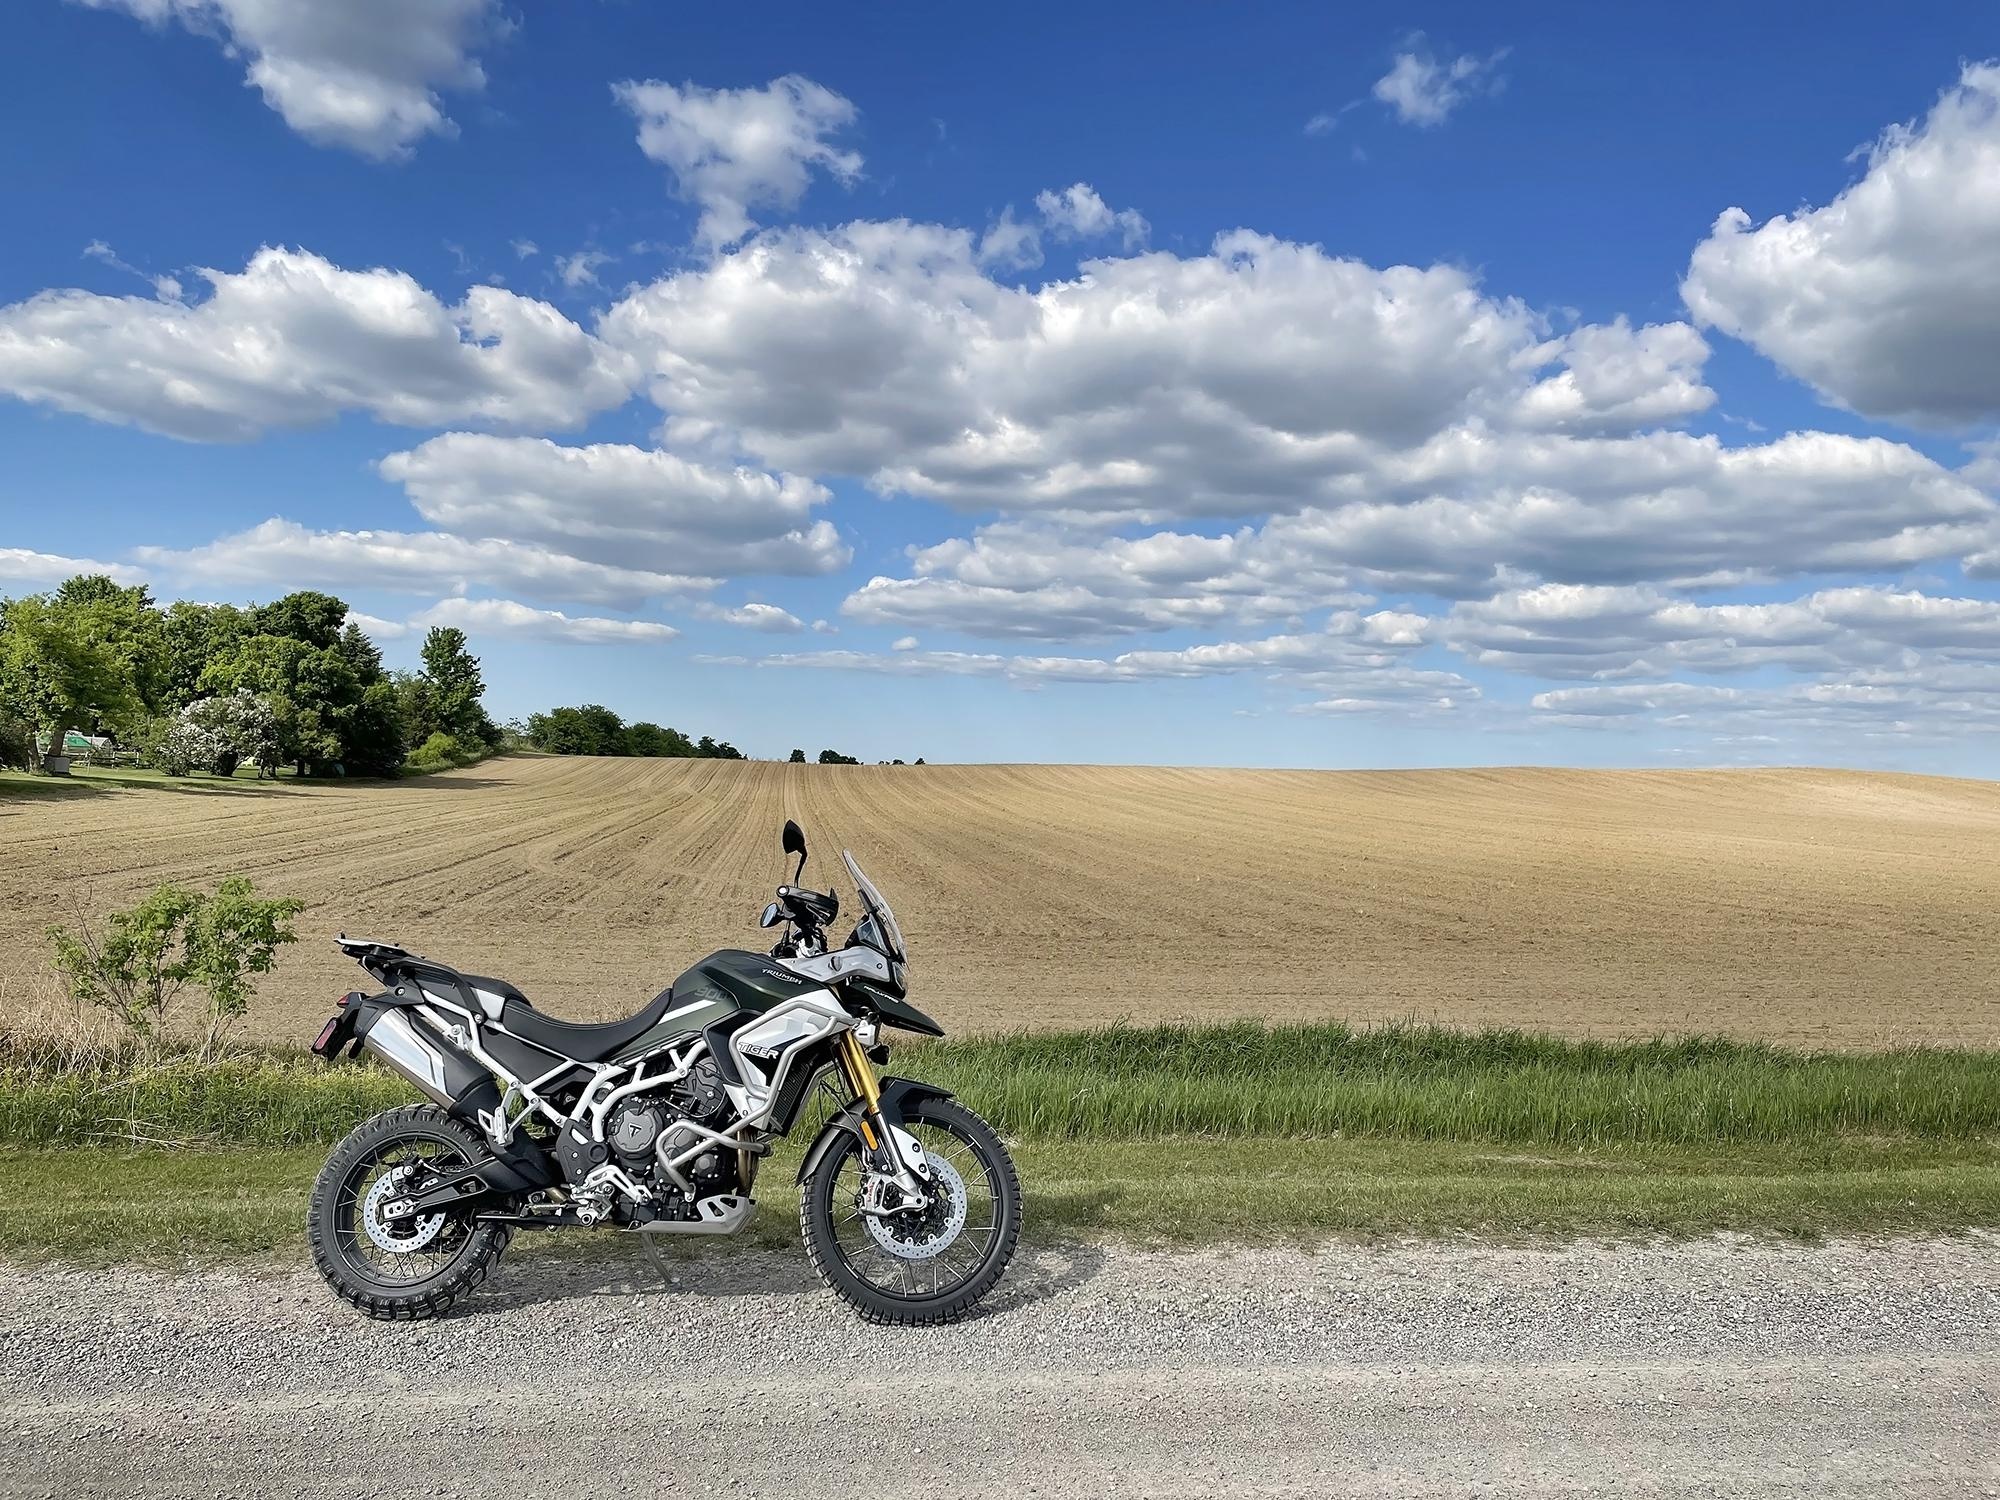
x: 1826, y: 908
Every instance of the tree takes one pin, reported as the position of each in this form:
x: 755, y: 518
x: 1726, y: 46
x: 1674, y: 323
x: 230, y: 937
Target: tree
x: 374, y: 737
x: 416, y: 705
x: 191, y: 636
x: 130, y: 626
x: 177, y: 937
x: 653, y: 740
x: 798, y: 757
x: 591, y: 729
x: 186, y: 746
x: 835, y: 758
x: 61, y: 667
x: 312, y: 691
x: 309, y: 616
x: 242, y: 726
x: 456, y: 683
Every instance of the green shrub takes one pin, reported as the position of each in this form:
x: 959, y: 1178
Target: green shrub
x: 175, y: 939
x: 441, y: 752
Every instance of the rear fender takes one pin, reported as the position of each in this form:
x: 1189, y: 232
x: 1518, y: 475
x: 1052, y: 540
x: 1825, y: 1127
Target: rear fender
x: 897, y: 1095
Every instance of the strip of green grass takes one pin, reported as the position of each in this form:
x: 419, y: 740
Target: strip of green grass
x: 97, y: 1206
x: 1428, y: 1083
x: 1132, y: 1083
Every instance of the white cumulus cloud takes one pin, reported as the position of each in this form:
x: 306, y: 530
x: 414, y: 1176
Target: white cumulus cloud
x: 766, y: 617
x: 361, y: 74
x: 1886, y: 300
x: 1241, y: 381
x: 620, y: 505
x: 735, y: 150
x: 1078, y: 213
x: 293, y: 340
x: 20, y: 565
x: 284, y: 554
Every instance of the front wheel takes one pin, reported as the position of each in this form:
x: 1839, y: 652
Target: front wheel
x: 917, y: 1267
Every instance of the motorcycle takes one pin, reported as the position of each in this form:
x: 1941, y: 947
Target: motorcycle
x: 909, y: 1205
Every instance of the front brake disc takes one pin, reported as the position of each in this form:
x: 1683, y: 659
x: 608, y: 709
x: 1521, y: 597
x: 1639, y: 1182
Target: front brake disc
x: 924, y: 1235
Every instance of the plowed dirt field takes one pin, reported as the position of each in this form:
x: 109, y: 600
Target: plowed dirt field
x: 1823, y: 907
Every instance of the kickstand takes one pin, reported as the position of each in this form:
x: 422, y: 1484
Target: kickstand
x: 659, y: 1258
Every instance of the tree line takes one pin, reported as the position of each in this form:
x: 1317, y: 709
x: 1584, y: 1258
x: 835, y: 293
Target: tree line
x: 593, y: 729
x: 210, y: 686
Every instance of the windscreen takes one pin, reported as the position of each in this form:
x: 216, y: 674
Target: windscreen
x: 885, y: 919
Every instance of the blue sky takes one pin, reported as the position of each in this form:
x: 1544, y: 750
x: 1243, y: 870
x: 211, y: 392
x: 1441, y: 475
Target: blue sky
x: 1237, y: 385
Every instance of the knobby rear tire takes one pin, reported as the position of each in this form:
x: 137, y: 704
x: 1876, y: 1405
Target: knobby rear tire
x: 817, y: 1207
x: 433, y: 1295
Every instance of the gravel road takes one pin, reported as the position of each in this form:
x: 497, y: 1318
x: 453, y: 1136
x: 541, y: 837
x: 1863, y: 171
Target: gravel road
x: 1718, y: 1368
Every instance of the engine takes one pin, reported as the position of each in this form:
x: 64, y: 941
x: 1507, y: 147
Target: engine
x: 644, y: 1126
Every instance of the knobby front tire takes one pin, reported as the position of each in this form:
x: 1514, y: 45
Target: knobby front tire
x: 877, y: 1284
x: 412, y: 1284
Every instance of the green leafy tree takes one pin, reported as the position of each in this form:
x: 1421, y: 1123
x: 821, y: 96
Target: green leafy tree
x: 191, y: 636
x: 591, y: 729
x: 712, y: 749
x: 373, y: 736
x: 653, y: 740
x: 456, y: 682
x: 835, y: 758
x: 63, y: 666
x: 313, y: 691
x: 310, y: 616
x: 177, y: 939
x: 416, y: 706
x: 131, y: 627
x: 798, y: 757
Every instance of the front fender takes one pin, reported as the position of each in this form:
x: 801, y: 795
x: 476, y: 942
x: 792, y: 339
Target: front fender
x: 896, y: 1093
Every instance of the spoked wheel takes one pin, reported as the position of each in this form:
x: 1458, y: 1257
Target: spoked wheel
x: 927, y: 1265
x: 409, y: 1268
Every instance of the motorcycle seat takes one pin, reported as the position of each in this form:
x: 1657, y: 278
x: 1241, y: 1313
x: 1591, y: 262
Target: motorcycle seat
x: 586, y: 1041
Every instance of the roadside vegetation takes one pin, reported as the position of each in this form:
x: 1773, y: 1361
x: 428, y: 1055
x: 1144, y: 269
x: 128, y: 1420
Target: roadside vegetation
x: 1229, y: 1133
x: 140, y: 1129
x: 1500, y: 1088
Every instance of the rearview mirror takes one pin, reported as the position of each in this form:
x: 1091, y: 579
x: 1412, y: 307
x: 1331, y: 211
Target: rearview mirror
x: 772, y: 916
x: 795, y: 843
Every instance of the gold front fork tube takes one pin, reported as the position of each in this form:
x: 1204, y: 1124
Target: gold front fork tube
x: 861, y: 1078
x: 860, y: 1071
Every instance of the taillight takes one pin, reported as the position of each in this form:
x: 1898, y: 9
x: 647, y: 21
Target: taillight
x: 326, y: 1033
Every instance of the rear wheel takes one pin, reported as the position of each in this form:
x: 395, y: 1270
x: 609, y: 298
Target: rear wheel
x: 407, y: 1268
x: 922, y: 1266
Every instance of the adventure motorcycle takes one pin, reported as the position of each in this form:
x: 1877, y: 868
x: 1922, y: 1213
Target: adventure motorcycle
x: 909, y: 1204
